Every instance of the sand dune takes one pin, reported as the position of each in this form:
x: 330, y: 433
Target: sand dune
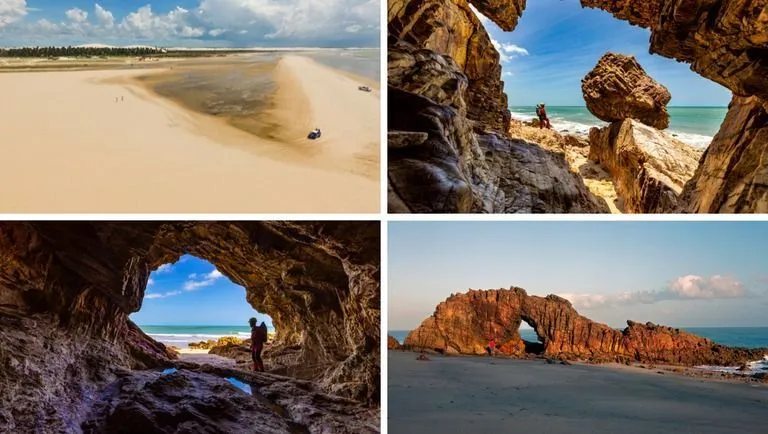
x: 67, y: 146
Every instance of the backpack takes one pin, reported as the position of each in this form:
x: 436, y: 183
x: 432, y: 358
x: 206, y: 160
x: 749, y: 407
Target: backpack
x: 539, y: 111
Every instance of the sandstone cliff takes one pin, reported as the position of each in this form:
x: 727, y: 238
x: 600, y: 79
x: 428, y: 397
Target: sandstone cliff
x: 393, y: 343
x: 649, y: 167
x: 618, y: 88
x: 463, y: 324
x: 67, y: 288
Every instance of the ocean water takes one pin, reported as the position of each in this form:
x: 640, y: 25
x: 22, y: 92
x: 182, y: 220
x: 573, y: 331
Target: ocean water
x: 181, y: 336
x: 365, y: 63
x: 695, y: 126
x: 749, y: 337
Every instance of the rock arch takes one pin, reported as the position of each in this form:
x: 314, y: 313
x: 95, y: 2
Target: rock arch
x: 66, y: 286
x: 461, y: 325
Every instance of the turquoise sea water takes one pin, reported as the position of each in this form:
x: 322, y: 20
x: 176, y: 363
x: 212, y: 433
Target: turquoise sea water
x: 693, y: 125
x: 364, y: 62
x: 181, y: 335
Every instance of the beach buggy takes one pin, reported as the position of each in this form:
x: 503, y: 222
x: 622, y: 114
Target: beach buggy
x: 314, y: 134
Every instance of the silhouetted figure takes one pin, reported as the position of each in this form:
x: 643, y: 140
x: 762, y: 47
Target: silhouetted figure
x: 541, y: 112
x: 258, y: 339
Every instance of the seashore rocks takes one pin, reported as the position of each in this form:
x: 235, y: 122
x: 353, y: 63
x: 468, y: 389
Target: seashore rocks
x: 618, y: 88
x: 649, y: 168
x: 71, y: 286
x: 464, y: 323
x: 393, y: 344
x: 723, y: 41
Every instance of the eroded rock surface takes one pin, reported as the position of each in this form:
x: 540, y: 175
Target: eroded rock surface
x: 649, y: 167
x: 440, y: 163
x: 464, y: 323
x: 618, y: 88
x: 451, y: 28
x: 318, y: 281
x: 393, y: 344
x: 733, y: 174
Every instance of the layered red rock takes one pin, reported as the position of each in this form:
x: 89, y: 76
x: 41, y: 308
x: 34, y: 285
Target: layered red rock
x: 733, y: 174
x: 649, y: 168
x: 618, y: 88
x: 464, y: 324
x: 72, y: 285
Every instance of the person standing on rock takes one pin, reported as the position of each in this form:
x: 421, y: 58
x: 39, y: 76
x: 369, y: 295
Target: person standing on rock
x: 258, y: 338
x: 541, y: 112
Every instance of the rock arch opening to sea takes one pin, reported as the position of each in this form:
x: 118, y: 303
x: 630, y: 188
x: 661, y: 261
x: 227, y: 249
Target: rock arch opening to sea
x: 72, y: 360
x: 450, y: 148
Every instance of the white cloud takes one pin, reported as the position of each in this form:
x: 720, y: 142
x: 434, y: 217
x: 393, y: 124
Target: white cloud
x: 508, y: 74
x: 150, y: 282
x: 77, y: 15
x: 507, y: 52
x: 354, y: 28
x: 683, y: 288
x: 163, y: 295
x: 12, y: 11
x: 47, y: 26
x: 207, y: 280
x: 192, y: 276
x: 217, y: 32
x: 103, y: 16
x: 165, y: 268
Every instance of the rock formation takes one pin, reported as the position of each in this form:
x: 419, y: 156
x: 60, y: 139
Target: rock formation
x: 393, y: 344
x: 733, y: 174
x: 649, y: 167
x: 464, y: 323
x: 67, y: 288
x: 722, y: 40
x: 452, y: 29
x: 439, y: 164
x: 618, y: 88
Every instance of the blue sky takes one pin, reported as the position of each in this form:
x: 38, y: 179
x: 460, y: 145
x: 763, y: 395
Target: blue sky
x: 684, y: 274
x: 193, y: 23
x: 193, y: 292
x: 564, y: 41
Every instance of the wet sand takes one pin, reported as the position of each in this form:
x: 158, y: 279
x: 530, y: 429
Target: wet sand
x: 484, y: 395
x: 68, y: 146
x: 202, y: 357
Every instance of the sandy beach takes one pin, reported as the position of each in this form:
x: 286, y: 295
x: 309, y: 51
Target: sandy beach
x: 484, y: 395
x: 69, y: 146
x: 203, y: 358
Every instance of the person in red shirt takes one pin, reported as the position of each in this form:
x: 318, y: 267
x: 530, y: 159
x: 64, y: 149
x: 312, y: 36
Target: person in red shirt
x: 541, y: 112
x: 491, y: 347
x: 258, y: 339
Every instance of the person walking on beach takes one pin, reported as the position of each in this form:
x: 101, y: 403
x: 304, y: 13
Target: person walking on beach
x: 541, y: 112
x: 258, y: 338
x: 491, y: 347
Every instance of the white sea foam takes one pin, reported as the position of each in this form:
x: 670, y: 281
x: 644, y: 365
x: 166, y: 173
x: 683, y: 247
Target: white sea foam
x: 756, y: 367
x: 561, y: 125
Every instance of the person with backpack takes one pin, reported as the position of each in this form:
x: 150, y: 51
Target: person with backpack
x: 541, y: 112
x: 258, y: 339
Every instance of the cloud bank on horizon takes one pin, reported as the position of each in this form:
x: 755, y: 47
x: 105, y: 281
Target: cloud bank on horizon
x: 203, y: 23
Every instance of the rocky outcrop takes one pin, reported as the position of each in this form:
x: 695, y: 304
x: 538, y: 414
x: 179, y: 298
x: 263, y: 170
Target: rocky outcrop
x: 649, y: 168
x: 393, y: 344
x: 733, y: 174
x: 71, y: 286
x: 438, y: 164
x: 618, y: 88
x: 464, y: 323
x: 203, y: 400
x: 451, y: 28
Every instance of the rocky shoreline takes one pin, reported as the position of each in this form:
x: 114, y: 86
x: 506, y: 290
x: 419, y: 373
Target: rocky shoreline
x: 450, y: 146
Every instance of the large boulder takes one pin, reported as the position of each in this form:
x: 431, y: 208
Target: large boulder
x: 393, y: 344
x: 649, y: 167
x: 463, y: 324
x: 618, y: 88
x: 733, y: 174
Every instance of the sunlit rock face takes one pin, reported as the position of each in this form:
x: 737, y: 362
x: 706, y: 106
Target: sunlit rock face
x: 465, y: 322
x: 67, y: 288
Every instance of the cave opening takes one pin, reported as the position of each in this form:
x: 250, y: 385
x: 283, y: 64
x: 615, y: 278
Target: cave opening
x: 192, y: 308
x: 532, y: 343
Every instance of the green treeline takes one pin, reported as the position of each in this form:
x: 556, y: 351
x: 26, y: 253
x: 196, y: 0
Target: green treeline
x: 54, y: 52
